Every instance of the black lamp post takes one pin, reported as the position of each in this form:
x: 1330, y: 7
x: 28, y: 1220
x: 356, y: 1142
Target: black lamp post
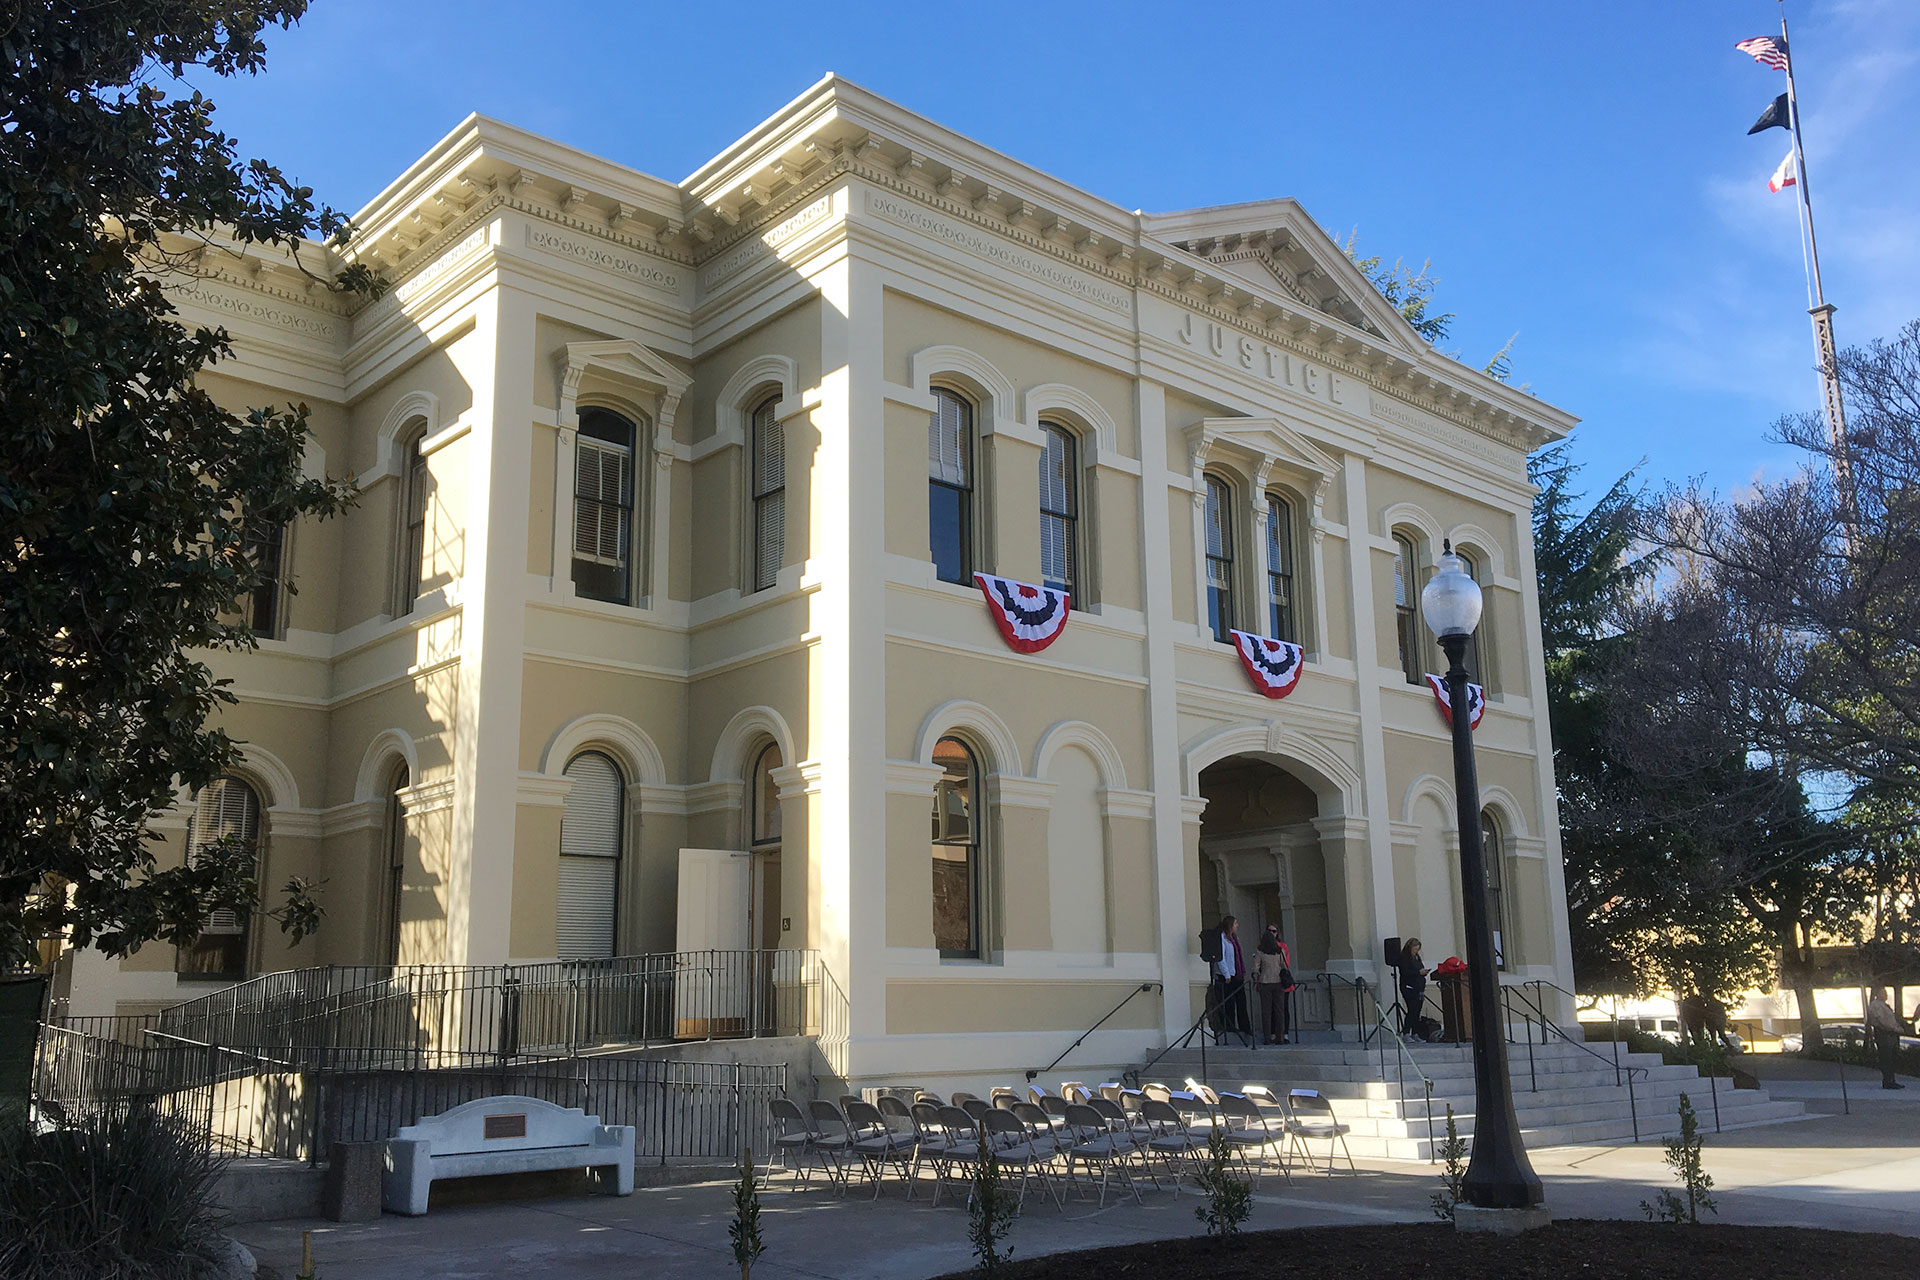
x: 1498, y: 1174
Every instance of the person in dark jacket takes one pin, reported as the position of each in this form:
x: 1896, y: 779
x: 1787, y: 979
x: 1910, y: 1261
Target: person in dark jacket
x: 1272, y: 982
x: 1413, y: 986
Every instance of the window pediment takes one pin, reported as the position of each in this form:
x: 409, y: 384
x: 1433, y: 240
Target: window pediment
x: 1258, y: 445
x: 621, y: 365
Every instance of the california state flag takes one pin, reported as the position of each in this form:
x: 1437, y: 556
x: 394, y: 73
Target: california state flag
x: 1783, y: 176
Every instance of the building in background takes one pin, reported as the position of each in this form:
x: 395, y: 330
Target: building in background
x: 655, y: 627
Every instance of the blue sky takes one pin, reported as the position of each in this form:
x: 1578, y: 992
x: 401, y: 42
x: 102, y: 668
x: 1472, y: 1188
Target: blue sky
x: 1578, y: 172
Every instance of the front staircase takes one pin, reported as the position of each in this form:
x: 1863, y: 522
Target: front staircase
x: 1565, y: 1095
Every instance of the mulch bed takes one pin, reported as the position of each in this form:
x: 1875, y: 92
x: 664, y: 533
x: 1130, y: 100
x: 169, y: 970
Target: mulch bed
x: 1603, y: 1250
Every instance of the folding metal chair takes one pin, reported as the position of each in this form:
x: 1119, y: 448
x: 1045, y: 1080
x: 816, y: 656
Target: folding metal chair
x: 1095, y: 1144
x: 1248, y: 1133
x: 1311, y: 1116
x: 833, y: 1136
x: 1014, y: 1148
x: 878, y: 1144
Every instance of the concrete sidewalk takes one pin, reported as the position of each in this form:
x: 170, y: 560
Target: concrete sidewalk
x: 1855, y: 1172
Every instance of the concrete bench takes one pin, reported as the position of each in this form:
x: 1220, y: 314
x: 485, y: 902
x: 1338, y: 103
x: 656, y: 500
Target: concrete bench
x: 508, y: 1134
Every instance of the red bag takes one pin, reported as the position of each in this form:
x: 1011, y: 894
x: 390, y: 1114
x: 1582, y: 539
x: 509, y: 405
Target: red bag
x: 1450, y: 966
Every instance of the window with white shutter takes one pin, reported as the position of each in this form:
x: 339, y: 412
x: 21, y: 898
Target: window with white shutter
x: 226, y: 810
x: 769, y: 496
x: 591, y: 827
x: 603, y: 506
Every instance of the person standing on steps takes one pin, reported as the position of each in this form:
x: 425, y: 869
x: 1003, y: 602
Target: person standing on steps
x: 1272, y: 980
x: 1413, y: 986
x: 1885, y: 1025
x: 1229, y: 987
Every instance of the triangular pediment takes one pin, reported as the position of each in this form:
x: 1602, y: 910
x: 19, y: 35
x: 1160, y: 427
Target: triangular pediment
x: 623, y: 360
x: 1258, y: 444
x: 1275, y: 246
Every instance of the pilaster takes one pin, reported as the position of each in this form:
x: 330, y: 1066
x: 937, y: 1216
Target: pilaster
x: 479, y: 892
x: 1163, y: 712
x: 1370, y: 900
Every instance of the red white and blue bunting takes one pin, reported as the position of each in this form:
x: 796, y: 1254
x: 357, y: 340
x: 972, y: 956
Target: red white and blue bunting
x: 1476, y: 700
x: 1030, y: 618
x: 1274, y: 666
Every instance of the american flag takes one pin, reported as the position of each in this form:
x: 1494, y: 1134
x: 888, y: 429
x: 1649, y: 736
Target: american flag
x: 1766, y: 51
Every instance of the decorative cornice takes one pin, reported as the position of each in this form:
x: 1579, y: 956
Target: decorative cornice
x: 1116, y: 802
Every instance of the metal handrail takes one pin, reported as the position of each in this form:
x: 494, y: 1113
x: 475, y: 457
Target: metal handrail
x: 1136, y: 1073
x: 1404, y: 1058
x: 1622, y: 1072
x: 1081, y: 1039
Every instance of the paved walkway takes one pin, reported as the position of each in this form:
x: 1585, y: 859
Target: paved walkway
x: 1857, y: 1172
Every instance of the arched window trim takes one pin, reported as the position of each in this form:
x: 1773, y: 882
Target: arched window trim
x: 958, y: 823
x: 416, y: 490
x: 1404, y: 589
x: 1064, y: 549
x: 597, y: 882
x: 953, y: 488
x: 766, y: 492
x: 1219, y: 555
x: 1283, y: 536
x: 228, y: 939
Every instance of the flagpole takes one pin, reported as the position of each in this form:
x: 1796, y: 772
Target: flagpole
x: 1822, y: 310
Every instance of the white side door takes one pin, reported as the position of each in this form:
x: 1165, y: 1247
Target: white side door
x: 714, y: 978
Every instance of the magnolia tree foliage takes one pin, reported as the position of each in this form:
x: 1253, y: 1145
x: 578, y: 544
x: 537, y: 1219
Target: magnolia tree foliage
x: 127, y: 495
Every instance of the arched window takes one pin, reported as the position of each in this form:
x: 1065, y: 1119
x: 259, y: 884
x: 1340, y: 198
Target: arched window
x: 1492, y: 852
x: 413, y: 540
x: 1281, y: 613
x: 950, y: 487
x: 266, y: 547
x: 591, y: 827
x: 1059, y: 510
x: 603, y: 507
x: 956, y: 851
x: 766, y: 797
x: 1220, y: 544
x: 1406, y: 592
x: 226, y: 814
x: 1471, y: 659
x: 769, y: 463
x: 393, y: 895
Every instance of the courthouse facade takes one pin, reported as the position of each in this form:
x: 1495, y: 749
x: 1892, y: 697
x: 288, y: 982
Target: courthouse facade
x: 671, y: 498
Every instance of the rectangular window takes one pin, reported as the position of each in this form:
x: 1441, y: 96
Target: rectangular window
x: 1280, y: 611
x: 226, y: 813
x: 1219, y: 520
x: 950, y: 488
x: 1405, y: 621
x: 602, y: 519
x: 769, y: 496
x: 265, y: 547
x: 1059, y: 510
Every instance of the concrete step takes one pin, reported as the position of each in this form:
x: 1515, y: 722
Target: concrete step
x: 1413, y: 1144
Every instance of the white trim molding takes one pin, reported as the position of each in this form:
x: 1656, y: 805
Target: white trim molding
x: 983, y: 723
x: 1078, y: 733
x: 628, y: 742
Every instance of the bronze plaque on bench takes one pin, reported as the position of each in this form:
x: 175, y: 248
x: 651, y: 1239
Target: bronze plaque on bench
x: 507, y: 1126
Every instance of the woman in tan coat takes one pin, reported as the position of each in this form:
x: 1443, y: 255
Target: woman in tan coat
x: 1272, y: 981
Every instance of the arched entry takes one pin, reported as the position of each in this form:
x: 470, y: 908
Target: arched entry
x: 1260, y: 856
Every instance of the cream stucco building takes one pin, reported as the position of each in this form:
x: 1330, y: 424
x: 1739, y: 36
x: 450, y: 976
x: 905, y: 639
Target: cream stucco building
x: 670, y: 497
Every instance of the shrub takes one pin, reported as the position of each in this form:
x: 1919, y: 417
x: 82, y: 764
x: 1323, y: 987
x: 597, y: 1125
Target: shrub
x: 989, y: 1212
x: 744, y: 1230
x: 1453, y: 1179
x: 1683, y: 1157
x: 1229, y: 1196
x: 113, y: 1196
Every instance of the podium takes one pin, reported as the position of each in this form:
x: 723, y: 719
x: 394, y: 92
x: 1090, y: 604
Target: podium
x: 1456, y: 1006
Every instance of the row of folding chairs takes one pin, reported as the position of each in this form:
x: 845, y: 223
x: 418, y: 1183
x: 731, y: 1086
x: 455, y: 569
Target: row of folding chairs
x: 1119, y: 1136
